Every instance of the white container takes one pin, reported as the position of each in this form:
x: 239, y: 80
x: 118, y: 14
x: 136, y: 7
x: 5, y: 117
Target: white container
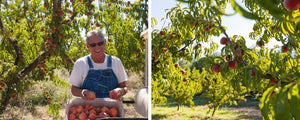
x: 98, y: 102
x: 141, y: 102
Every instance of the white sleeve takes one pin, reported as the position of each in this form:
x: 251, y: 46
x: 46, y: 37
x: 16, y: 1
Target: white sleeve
x: 120, y: 71
x: 76, y: 77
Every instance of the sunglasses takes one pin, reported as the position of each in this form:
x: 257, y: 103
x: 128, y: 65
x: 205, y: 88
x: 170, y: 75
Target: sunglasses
x: 99, y: 44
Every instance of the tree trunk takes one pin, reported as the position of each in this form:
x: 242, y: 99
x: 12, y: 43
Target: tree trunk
x: 7, y: 93
x: 5, y: 99
x: 213, y: 113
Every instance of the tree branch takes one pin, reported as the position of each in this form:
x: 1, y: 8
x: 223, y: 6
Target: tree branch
x: 231, y: 43
x: 18, y: 51
x: 14, y: 42
x: 1, y: 24
x: 33, y: 64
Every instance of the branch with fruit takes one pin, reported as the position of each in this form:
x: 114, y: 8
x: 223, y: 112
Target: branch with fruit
x: 13, y: 42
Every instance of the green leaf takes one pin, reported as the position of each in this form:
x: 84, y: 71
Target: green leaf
x: 242, y: 11
x: 54, y: 109
x: 286, y: 27
x: 296, y: 16
x: 153, y: 22
x: 265, y: 102
x: 183, y: 1
x: 218, y: 11
x: 280, y: 107
x: 272, y: 7
x: 294, y: 92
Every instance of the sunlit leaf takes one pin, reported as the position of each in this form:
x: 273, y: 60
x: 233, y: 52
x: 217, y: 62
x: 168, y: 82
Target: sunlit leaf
x: 242, y: 11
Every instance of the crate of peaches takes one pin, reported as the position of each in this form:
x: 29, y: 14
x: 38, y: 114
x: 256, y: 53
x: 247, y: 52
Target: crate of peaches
x: 79, y: 109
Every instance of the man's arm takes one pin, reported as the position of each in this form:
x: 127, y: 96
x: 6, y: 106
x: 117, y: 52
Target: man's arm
x: 123, y: 87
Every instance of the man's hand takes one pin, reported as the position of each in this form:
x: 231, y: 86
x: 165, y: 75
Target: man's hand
x: 88, y: 95
x: 117, y: 93
x: 84, y: 94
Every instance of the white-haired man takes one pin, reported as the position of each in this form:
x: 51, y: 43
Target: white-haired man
x: 98, y: 74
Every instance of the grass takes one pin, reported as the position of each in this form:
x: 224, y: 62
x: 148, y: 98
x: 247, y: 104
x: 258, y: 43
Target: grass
x: 33, y: 105
x: 168, y: 111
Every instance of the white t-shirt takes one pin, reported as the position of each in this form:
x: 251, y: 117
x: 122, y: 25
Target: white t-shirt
x: 81, y: 68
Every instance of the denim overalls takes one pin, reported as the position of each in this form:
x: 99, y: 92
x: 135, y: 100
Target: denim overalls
x: 100, y: 81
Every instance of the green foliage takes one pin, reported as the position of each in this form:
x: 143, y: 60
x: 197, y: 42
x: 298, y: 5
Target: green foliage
x: 282, y: 102
x: 54, y: 109
x: 223, y: 87
x: 255, y: 70
x: 178, y: 82
x: 157, y: 93
x: 241, y: 11
x: 38, y: 37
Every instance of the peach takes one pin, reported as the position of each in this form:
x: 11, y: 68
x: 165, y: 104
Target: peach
x: 89, y: 106
x: 72, y: 110
x: 82, y: 116
x: 114, y: 111
x: 86, y: 111
x: 113, y: 94
x: 93, y: 111
x: 98, y: 110
x: 92, y: 116
x: 71, y: 116
x: 91, y: 96
x: 105, y: 109
x: 75, y: 106
x: 79, y: 109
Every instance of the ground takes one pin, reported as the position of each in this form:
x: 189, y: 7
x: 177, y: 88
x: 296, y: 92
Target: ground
x: 244, y: 110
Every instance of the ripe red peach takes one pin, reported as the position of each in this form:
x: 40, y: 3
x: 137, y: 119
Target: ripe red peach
x: 114, y: 111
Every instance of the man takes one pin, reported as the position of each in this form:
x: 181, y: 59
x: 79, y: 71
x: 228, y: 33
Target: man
x: 98, y: 74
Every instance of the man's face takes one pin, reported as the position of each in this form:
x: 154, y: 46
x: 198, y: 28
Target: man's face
x: 93, y: 46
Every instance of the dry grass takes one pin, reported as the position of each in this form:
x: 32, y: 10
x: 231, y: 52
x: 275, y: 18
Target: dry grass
x: 134, y: 83
x: 34, y: 105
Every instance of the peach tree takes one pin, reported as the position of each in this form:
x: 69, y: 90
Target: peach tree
x: 187, y: 37
x: 274, y: 72
x: 175, y: 81
x: 38, y: 37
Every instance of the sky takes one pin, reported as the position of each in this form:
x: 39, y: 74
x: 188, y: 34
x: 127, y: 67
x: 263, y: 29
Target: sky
x: 236, y: 24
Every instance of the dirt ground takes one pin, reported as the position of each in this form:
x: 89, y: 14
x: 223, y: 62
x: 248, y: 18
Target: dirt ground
x: 248, y: 113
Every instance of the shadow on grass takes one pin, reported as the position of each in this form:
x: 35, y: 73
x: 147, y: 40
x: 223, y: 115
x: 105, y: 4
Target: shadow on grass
x: 251, y: 102
x: 198, y: 100
x: 247, y: 109
x: 249, y: 117
x: 158, y: 116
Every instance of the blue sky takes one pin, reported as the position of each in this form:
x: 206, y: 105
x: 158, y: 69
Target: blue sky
x: 236, y: 24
